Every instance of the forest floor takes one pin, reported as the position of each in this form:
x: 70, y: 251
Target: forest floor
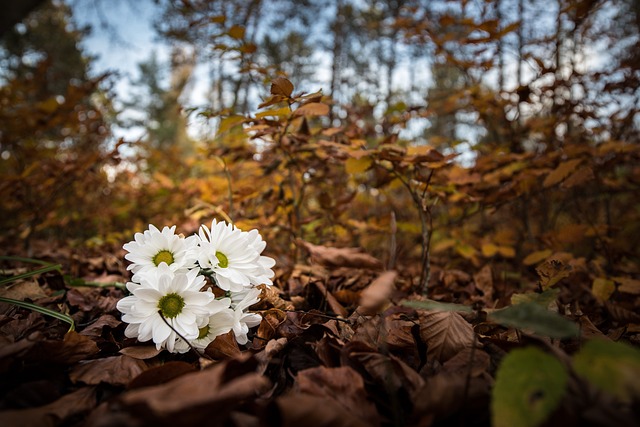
x: 342, y: 343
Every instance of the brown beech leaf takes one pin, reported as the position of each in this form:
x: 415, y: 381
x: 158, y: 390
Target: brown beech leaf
x: 375, y: 296
x: 142, y: 352
x: 80, y: 401
x: 95, y: 329
x: 389, y: 371
x: 198, y: 397
x: 340, y: 257
x: 312, y: 109
x: 161, y: 374
x: 447, y: 394
x: 343, y: 385
x: 469, y: 360
x: 223, y: 347
x: 561, y: 172
x: 295, y: 410
x: 628, y: 285
x: 282, y: 87
x: 72, y: 349
x: 115, y: 370
x: 445, y: 332
x: 271, y: 319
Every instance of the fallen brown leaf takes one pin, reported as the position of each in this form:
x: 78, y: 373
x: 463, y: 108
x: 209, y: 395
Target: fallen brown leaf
x: 223, y: 347
x: 72, y: 349
x: 142, y: 352
x: 342, y: 385
x: 161, y: 374
x: 340, y: 257
x: 115, y: 370
x: 77, y: 402
x: 375, y: 296
x: 297, y: 410
x: 198, y: 397
x: 445, y: 332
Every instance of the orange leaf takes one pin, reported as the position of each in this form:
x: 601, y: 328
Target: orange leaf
x: 561, y: 172
x: 313, y: 109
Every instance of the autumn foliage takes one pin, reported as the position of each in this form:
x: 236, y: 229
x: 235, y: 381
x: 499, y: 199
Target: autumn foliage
x: 417, y: 283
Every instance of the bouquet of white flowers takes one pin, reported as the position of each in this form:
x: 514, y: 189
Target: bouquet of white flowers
x: 169, y: 302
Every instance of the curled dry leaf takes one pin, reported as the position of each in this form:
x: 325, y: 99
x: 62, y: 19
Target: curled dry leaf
x: 198, y: 397
x: 223, y: 347
x: 343, y: 386
x: 72, y: 349
x: 340, y: 257
x: 161, y: 374
x: 445, y: 332
x: 375, y: 296
x: 297, y: 410
x: 142, y: 352
x: 115, y: 370
x: 95, y: 329
x: 270, y: 297
x: 80, y: 401
x: 388, y: 371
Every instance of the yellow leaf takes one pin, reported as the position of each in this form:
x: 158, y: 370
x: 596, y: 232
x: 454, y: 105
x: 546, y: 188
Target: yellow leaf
x: 507, y: 251
x: 353, y: 165
x: 313, y: 109
x: 536, y: 257
x: 551, y: 272
x: 48, y: 106
x: 418, y: 150
x: 466, y: 250
x: 278, y: 112
x: 229, y: 122
x: 489, y: 250
x: 602, y: 288
x: 561, y: 172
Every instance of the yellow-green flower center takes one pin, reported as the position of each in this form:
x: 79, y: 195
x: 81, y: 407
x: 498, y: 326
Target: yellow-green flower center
x: 163, y: 256
x: 171, y: 305
x: 223, y: 261
x: 203, y: 332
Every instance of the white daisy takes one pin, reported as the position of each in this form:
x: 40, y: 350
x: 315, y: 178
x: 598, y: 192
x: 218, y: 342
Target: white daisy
x: 227, y: 252
x: 242, y: 320
x: 179, y: 299
x: 154, y: 247
x: 219, y: 322
x: 263, y: 272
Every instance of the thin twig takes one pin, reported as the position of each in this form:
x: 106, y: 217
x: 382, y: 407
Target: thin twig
x: 205, y: 355
x: 326, y: 316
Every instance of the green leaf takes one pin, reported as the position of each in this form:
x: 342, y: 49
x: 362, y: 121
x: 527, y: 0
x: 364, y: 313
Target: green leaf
x: 611, y: 366
x: 529, y: 387
x: 28, y: 274
x: 42, y: 310
x: 437, y: 306
x: 531, y: 316
x: 22, y: 259
x: 543, y: 299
